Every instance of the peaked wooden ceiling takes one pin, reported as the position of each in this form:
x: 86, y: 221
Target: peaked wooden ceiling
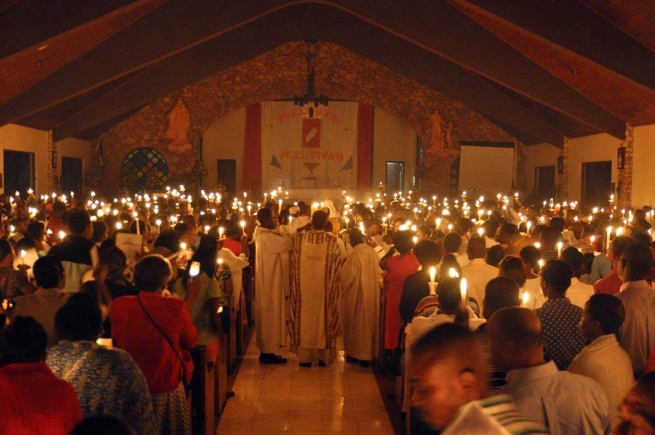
x: 540, y: 70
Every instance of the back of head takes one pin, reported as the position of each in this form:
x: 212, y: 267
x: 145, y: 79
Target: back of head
x: 79, y: 319
x: 464, y: 224
x: 206, y: 256
x: 577, y: 228
x: 99, y: 231
x: 48, y: 272
x: 168, y: 239
x: 638, y: 260
x: 490, y: 227
x: 607, y: 310
x: 452, y: 242
x: 574, y: 258
x: 5, y: 249
x: 428, y: 253
x: 450, y: 297
x: 557, y: 223
x: 319, y: 219
x: 509, y: 229
x: 36, y: 230
x: 152, y: 273
x: 549, y: 236
x: 24, y: 340
x: 499, y: 293
x: 558, y: 274
x: 402, y: 241
x: 516, y: 337
x: 78, y: 222
x: 619, y: 244
x: 512, y: 267
x: 530, y: 256
x: 102, y: 425
x: 264, y: 215
x: 642, y: 238
x: 356, y: 237
x: 477, y: 247
x: 449, y: 262
x: 114, y: 258
x: 494, y: 255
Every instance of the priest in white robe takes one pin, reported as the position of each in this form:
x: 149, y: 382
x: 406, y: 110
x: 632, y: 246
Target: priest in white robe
x: 271, y: 287
x: 360, y: 289
x: 314, y: 304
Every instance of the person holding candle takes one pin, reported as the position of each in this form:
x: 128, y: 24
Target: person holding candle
x: 74, y: 251
x: 559, y: 317
x: 477, y: 273
x: 398, y: 267
x: 416, y: 286
x: 360, y: 287
x: 13, y: 283
x: 578, y: 292
x: 612, y: 283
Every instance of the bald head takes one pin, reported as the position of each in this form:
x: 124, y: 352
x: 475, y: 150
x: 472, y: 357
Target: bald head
x: 516, y: 338
x: 476, y: 247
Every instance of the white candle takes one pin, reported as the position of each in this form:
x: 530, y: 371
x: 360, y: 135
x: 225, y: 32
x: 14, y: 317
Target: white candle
x: 481, y: 231
x: 62, y: 235
x: 453, y: 273
x: 525, y: 298
x: 158, y: 222
x: 22, y: 255
x: 221, y: 230
x: 433, y: 274
x: 609, y: 234
x: 138, y: 227
x: 559, y: 248
x: 463, y: 291
x: 528, y: 224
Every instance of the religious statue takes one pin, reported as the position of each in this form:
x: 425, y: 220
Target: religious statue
x: 179, y: 120
x: 437, y: 138
x: 449, y: 136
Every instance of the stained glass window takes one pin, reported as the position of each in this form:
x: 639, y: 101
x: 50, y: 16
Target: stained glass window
x: 144, y: 168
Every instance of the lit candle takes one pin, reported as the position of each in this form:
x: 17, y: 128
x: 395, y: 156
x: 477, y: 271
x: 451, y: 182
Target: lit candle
x: 609, y: 234
x: 206, y: 229
x: 183, y: 246
x: 221, y: 230
x: 433, y: 274
x: 242, y: 224
x: 525, y: 298
x: 528, y: 224
x: 22, y: 255
x: 481, y: 231
x: 537, y: 245
x: 158, y: 222
x: 463, y: 291
x: 62, y: 235
x: 540, y: 263
x: 453, y: 273
x: 119, y: 225
x: 559, y: 248
x: 138, y: 227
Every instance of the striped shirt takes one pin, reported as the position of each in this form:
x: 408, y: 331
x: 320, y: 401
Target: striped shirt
x: 494, y: 415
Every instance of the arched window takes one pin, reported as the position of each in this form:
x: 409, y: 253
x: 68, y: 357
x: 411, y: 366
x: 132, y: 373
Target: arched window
x: 144, y: 168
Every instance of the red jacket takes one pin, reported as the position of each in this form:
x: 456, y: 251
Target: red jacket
x: 34, y: 402
x: 132, y: 331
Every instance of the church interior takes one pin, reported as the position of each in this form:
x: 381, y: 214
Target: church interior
x: 507, y: 104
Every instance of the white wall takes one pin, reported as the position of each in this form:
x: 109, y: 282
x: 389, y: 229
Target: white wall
x: 18, y: 138
x: 224, y: 139
x: 595, y: 148
x: 393, y: 140
x: 643, y: 175
x: 540, y: 155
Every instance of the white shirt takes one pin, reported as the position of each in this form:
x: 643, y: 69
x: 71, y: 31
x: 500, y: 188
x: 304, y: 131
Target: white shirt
x: 478, y: 273
x: 564, y: 402
x: 637, y: 334
x: 579, y: 293
x: 536, y: 296
x: 608, y: 364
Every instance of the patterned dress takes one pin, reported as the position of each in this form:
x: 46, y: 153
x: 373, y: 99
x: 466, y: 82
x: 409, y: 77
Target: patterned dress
x: 560, y: 320
x: 11, y: 283
x: 106, y: 381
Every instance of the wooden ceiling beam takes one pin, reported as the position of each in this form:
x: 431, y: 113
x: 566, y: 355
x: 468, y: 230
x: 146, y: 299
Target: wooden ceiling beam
x: 442, y: 29
x: 311, y: 21
x: 28, y: 23
x: 573, y: 26
x: 169, y: 29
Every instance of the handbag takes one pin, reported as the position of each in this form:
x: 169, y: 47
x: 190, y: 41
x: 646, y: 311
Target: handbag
x: 186, y: 377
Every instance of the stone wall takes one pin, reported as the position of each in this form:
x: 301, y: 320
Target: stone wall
x: 624, y: 184
x: 281, y: 73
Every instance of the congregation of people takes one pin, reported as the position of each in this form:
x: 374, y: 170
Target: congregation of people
x: 531, y: 320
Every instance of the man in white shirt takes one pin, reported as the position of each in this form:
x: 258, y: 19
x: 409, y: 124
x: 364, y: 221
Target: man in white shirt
x: 604, y: 360
x: 478, y: 273
x: 448, y: 374
x: 452, y: 244
x: 578, y: 292
x: 566, y: 403
x: 637, y: 334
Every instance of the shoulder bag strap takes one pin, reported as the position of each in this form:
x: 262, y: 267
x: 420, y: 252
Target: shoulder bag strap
x: 168, y: 340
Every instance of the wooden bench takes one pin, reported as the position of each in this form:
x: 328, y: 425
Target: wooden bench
x: 202, y: 394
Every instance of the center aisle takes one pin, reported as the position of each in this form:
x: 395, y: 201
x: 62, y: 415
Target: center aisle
x: 287, y: 399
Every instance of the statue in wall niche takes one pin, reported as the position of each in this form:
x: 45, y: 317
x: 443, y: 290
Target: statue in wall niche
x: 437, y: 141
x: 179, y: 121
x: 449, y: 136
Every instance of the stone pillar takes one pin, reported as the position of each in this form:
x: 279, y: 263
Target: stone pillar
x: 521, y: 168
x: 52, y: 184
x: 624, y: 179
x: 563, y: 187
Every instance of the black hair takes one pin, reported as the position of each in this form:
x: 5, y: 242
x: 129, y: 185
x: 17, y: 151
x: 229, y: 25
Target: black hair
x: 102, y: 425
x: 24, y: 340
x: 168, y: 239
x: 79, y: 319
x: 5, y: 249
x: 512, y: 267
x: 494, y: 255
x: 79, y: 221
x: 428, y: 253
x: 152, y: 273
x: 607, y: 310
x: 48, y: 271
x: 558, y: 274
x: 574, y: 258
x: 402, y: 241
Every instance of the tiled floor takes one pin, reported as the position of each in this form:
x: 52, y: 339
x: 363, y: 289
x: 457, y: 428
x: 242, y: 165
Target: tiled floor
x: 287, y: 399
